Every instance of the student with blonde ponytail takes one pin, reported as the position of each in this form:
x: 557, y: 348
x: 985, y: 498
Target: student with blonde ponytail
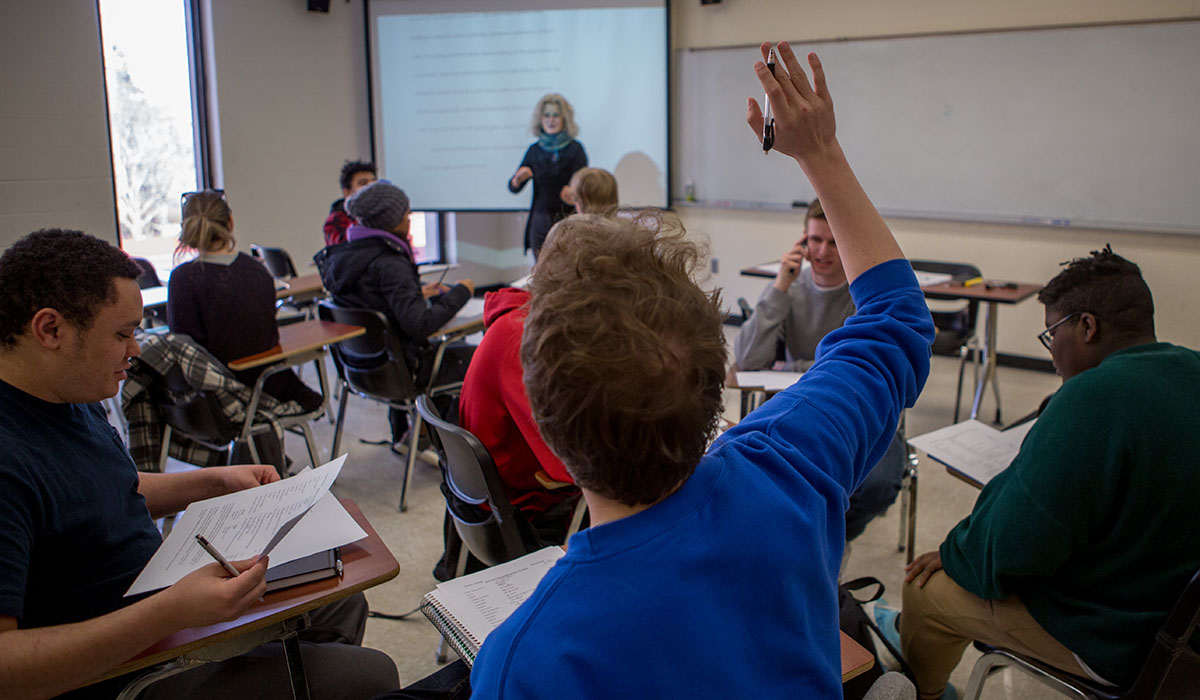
x: 225, y: 300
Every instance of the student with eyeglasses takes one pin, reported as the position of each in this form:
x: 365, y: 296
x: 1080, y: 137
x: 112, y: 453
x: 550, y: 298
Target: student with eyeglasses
x: 1076, y: 553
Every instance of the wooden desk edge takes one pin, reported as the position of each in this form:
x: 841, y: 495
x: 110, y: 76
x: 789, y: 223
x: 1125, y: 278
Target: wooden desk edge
x: 155, y: 657
x: 279, y: 353
x: 856, y: 660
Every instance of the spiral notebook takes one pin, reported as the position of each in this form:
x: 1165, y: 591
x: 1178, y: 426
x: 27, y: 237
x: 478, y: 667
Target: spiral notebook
x: 465, y: 610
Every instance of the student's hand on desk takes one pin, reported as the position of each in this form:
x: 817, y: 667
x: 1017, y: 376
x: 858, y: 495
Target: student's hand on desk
x: 923, y: 567
x: 245, y: 476
x: 210, y: 595
x: 469, y: 285
x: 433, y: 289
x: 789, y: 268
x: 804, y: 122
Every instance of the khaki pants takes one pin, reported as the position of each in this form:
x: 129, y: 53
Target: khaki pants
x: 941, y: 619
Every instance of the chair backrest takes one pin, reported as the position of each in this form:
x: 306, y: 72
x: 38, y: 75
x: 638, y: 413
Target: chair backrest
x: 373, y: 363
x: 495, y: 535
x: 961, y: 321
x: 277, y: 260
x: 1173, y: 667
x: 194, y: 413
x: 149, y: 276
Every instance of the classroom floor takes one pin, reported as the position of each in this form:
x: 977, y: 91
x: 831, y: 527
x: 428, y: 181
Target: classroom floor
x: 372, y: 478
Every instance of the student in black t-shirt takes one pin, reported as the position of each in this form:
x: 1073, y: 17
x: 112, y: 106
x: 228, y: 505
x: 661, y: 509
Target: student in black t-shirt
x: 76, y: 518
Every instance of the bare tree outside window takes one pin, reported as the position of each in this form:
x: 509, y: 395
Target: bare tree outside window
x: 150, y: 121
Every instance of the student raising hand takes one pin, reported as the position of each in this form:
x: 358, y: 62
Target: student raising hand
x: 805, y: 126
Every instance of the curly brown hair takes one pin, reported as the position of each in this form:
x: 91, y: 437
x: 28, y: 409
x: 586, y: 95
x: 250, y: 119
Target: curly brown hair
x: 61, y: 269
x: 623, y: 354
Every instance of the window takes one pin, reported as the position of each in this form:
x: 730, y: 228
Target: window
x: 151, y: 122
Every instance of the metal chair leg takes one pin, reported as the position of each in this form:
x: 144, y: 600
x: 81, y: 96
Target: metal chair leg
x: 166, y: 450
x: 295, y: 663
x: 314, y: 453
x: 341, y: 422
x: 962, y: 365
x: 411, y: 459
x: 912, y: 517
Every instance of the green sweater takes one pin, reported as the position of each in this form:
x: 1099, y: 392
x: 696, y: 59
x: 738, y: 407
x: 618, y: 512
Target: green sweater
x: 1094, y: 525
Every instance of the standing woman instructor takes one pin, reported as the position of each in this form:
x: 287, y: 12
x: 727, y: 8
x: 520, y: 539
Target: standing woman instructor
x: 550, y: 162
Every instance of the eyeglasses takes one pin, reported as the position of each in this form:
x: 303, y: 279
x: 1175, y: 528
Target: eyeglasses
x: 1047, y: 335
x: 183, y: 198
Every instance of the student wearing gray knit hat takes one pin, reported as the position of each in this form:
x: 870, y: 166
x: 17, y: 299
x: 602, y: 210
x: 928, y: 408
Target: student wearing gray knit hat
x: 380, y: 205
x: 376, y: 269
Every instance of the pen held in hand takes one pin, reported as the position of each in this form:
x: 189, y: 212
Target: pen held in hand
x: 768, y: 138
x: 212, y: 552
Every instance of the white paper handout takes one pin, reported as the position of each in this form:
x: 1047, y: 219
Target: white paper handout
x: 925, y: 279
x: 769, y: 380
x: 977, y: 451
x: 481, y: 601
x: 243, y: 524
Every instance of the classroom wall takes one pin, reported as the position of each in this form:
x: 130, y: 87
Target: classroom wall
x: 741, y: 238
x: 292, y: 95
x: 54, y: 157
x: 292, y: 91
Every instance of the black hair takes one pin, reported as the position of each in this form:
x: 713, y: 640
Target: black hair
x: 61, y: 269
x: 352, y: 168
x: 1106, y: 285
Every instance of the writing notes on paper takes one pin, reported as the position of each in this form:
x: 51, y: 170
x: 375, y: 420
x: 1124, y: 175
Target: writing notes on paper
x: 973, y: 450
x: 292, y: 518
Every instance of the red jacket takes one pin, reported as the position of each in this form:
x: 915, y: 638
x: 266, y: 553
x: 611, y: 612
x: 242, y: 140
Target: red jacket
x: 493, y: 405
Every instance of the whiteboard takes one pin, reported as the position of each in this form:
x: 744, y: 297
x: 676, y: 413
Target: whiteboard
x: 1085, y: 126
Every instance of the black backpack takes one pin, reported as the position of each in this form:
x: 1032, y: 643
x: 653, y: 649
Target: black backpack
x: 857, y: 625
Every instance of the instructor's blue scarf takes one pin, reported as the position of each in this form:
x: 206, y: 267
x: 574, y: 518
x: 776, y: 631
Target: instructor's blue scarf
x: 553, y: 143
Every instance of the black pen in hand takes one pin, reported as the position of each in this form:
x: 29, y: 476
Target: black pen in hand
x: 768, y: 139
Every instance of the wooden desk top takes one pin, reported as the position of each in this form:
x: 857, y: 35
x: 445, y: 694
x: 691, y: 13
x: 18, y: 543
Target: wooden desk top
x: 297, y: 338
x: 301, y: 285
x: 856, y: 660
x: 468, y: 320
x: 1002, y: 295
x: 367, y: 563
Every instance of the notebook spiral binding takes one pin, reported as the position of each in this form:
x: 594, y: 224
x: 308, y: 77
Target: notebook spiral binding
x: 463, y: 642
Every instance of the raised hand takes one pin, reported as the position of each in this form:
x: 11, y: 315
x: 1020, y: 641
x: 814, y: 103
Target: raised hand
x: 804, y: 123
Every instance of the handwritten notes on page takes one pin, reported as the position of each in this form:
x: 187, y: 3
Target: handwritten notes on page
x: 244, y: 524
x: 973, y: 450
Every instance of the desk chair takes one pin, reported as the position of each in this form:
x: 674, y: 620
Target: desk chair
x: 146, y: 280
x: 372, y: 366
x: 197, y: 415
x: 276, y: 260
x: 501, y: 532
x: 908, y: 496
x: 956, y: 326
x: 1171, y: 671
